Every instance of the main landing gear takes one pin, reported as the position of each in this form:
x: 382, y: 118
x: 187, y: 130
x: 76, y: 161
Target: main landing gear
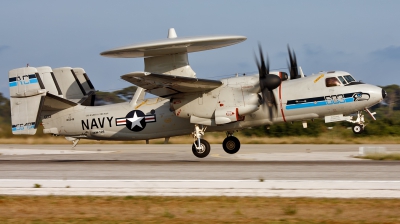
x: 359, y: 123
x: 201, y: 148
x: 231, y: 144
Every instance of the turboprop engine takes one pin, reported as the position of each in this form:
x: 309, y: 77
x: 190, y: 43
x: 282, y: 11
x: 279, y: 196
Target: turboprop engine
x: 236, y: 98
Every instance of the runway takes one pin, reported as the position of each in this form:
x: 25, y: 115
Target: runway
x: 172, y: 170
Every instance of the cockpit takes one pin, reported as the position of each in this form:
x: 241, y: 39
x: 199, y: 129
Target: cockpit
x: 340, y: 79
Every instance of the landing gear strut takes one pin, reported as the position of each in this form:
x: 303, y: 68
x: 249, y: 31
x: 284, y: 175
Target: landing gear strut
x: 231, y: 144
x: 359, y: 123
x: 200, y: 148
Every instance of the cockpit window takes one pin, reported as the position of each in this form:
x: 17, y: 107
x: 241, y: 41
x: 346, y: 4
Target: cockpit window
x: 349, y: 79
x: 342, y: 80
x: 332, y: 81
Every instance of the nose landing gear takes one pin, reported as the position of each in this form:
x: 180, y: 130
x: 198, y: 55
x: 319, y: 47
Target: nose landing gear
x: 359, y: 123
x: 200, y: 148
x: 201, y: 151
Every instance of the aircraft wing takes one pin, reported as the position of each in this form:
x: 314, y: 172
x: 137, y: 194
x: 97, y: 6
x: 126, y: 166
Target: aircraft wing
x: 167, y: 85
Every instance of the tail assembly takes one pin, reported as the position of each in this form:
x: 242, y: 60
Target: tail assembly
x: 33, y: 90
x: 75, y: 85
x: 27, y: 95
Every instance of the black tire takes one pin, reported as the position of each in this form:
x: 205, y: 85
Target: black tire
x: 231, y: 145
x: 206, y: 148
x: 357, y: 129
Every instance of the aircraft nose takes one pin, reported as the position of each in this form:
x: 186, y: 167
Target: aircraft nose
x: 384, y: 94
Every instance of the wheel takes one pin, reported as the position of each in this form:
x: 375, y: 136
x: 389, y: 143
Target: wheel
x: 357, y: 129
x: 231, y: 145
x: 204, y: 151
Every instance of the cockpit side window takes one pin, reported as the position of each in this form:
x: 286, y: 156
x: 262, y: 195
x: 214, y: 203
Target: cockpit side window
x: 332, y: 81
x: 342, y: 80
x: 349, y: 79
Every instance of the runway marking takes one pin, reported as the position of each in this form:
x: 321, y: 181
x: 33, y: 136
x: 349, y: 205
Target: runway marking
x: 23, y: 152
x: 253, y: 188
x: 198, y: 180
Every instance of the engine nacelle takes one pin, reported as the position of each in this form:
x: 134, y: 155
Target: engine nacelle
x: 229, y: 114
x: 229, y: 103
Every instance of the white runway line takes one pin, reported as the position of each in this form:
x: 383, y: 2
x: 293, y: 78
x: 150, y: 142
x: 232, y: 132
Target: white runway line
x: 300, y: 156
x: 267, y: 188
x: 20, y: 152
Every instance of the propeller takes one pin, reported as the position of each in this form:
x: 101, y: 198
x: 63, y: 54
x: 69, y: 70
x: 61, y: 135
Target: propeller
x: 293, y: 68
x: 268, y: 82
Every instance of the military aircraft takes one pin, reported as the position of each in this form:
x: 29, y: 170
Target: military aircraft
x: 62, y: 99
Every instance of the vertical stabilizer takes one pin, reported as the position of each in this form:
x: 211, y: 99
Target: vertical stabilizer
x: 69, y: 84
x: 83, y: 78
x: 49, y: 81
x: 87, y: 85
x: 27, y: 96
x: 24, y: 82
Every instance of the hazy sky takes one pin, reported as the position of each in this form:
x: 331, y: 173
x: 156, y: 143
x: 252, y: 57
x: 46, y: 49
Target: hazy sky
x: 361, y: 37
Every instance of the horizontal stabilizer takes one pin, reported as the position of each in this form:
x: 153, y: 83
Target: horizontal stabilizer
x: 167, y: 85
x: 56, y: 103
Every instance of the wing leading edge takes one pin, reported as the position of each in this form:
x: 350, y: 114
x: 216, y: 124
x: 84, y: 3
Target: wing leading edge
x: 167, y: 85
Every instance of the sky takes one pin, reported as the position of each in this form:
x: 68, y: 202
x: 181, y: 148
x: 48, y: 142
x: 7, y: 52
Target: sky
x: 360, y: 37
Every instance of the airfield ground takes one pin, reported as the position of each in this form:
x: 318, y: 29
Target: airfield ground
x: 273, y: 183
x: 335, y: 137
x: 128, y: 209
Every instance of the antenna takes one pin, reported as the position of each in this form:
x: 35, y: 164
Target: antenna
x: 301, y: 72
x: 172, y: 33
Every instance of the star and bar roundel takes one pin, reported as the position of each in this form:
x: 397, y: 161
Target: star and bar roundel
x: 135, y: 120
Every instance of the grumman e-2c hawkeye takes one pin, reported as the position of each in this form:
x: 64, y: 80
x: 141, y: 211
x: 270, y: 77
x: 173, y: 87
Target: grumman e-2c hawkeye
x: 63, y: 98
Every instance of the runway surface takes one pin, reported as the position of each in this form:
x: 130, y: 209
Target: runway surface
x: 256, y: 170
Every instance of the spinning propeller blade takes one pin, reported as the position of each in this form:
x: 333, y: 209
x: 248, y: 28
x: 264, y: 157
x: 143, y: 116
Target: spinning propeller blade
x: 268, y: 82
x: 293, y: 68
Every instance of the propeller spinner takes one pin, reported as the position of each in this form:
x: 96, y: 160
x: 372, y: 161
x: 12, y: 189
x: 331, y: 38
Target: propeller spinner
x: 268, y: 82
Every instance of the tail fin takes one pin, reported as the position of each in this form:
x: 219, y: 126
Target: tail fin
x: 69, y: 84
x: 75, y: 85
x: 87, y: 85
x: 33, y: 90
x: 49, y: 80
x: 27, y: 95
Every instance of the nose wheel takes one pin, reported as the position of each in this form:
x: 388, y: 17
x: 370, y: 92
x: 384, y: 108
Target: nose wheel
x: 357, y: 129
x: 200, y: 148
x: 201, y: 151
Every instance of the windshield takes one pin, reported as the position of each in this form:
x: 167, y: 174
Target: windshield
x: 349, y: 79
x: 342, y: 80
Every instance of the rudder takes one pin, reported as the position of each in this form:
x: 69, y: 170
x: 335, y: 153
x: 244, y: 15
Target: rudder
x: 27, y: 95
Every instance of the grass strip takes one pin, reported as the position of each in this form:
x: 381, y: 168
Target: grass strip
x: 130, y: 209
